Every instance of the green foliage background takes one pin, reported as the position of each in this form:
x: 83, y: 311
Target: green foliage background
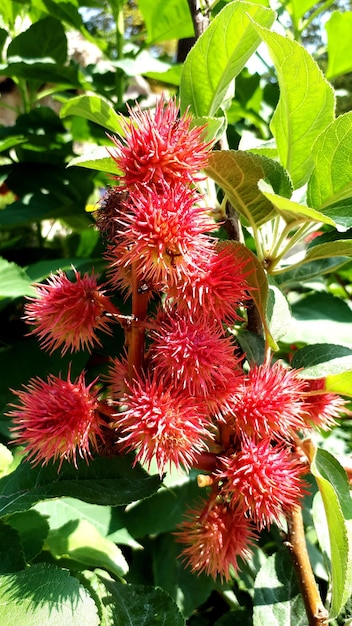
x: 69, y: 542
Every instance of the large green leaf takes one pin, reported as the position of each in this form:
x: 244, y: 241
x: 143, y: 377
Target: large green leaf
x: 32, y: 528
x: 319, y: 317
x: 306, y: 105
x: 81, y: 541
x: 138, y: 605
x: 277, y: 600
x: 43, y: 39
x: 334, y: 490
x: 11, y: 551
x: 166, y: 19
x: 219, y: 55
x: 299, y: 8
x: 94, y: 108
x: 45, y: 594
x: 331, y: 179
x: 292, y: 211
x: 340, y: 383
x: 45, y: 71
x: 104, y: 481
x: 14, y: 281
x: 109, y: 521
x: 238, y: 174
x: 338, y: 29
x: 322, y: 359
x: 97, y: 159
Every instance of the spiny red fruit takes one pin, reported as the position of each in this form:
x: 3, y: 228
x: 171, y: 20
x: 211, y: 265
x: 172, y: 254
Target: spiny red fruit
x: 161, y: 422
x: 264, y: 479
x: 159, y: 148
x: 194, y: 354
x: 216, y: 537
x: 68, y: 314
x: 57, y: 419
x: 161, y: 232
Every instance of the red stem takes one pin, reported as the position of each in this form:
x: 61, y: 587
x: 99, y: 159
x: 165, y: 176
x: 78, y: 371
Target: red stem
x: 316, y: 613
x: 135, y: 335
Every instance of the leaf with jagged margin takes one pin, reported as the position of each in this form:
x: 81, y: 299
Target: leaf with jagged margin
x: 238, y: 173
x: 45, y: 594
x: 334, y: 489
x: 322, y: 359
x: 277, y: 600
x: 339, y: 28
x: 331, y: 179
x: 306, y: 105
x: 219, y: 55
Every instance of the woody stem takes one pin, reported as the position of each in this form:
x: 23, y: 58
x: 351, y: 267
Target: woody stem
x: 316, y: 613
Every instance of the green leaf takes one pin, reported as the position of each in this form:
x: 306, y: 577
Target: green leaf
x: 331, y: 180
x: 306, y: 105
x: 322, y: 359
x: 43, y: 39
x: 340, y: 383
x: 297, y: 274
x: 93, y: 108
x: 338, y: 29
x: 163, y: 511
x: 219, y: 55
x: 334, y: 489
x: 166, y: 19
x: 292, y: 211
x: 277, y: 599
x: 14, y: 281
x: 106, y: 519
x: 81, y: 541
x: 11, y: 141
x: 11, y: 551
x: 252, y: 345
x: 6, y: 459
x: 3, y: 38
x: 138, y: 605
x: 278, y: 312
x: 300, y: 7
x: 317, y: 318
x: 45, y: 594
x: 97, y: 159
x: 32, y: 529
x: 66, y: 12
x: 238, y: 173
x: 114, y: 482
x: 338, y: 248
x: 46, y: 71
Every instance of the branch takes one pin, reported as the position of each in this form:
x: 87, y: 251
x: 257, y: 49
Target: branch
x: 200, y: 19
x: 295, y: 542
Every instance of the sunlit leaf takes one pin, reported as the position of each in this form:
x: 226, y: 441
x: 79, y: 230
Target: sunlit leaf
x: 14, y: 281
x: 49, y: 595
x: 238, y: 173
x: 292, y: 211
x: 306, y: 105
x: 96, y: 159
x: 277, y: 599
x: 331, y: 179
x: 94, y: 108
x: 81, y: 541
x: 166, y: 19
x: 334, y: 490
x: 322, y: 359
x: 338, y: 29
x: 219, y: 55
